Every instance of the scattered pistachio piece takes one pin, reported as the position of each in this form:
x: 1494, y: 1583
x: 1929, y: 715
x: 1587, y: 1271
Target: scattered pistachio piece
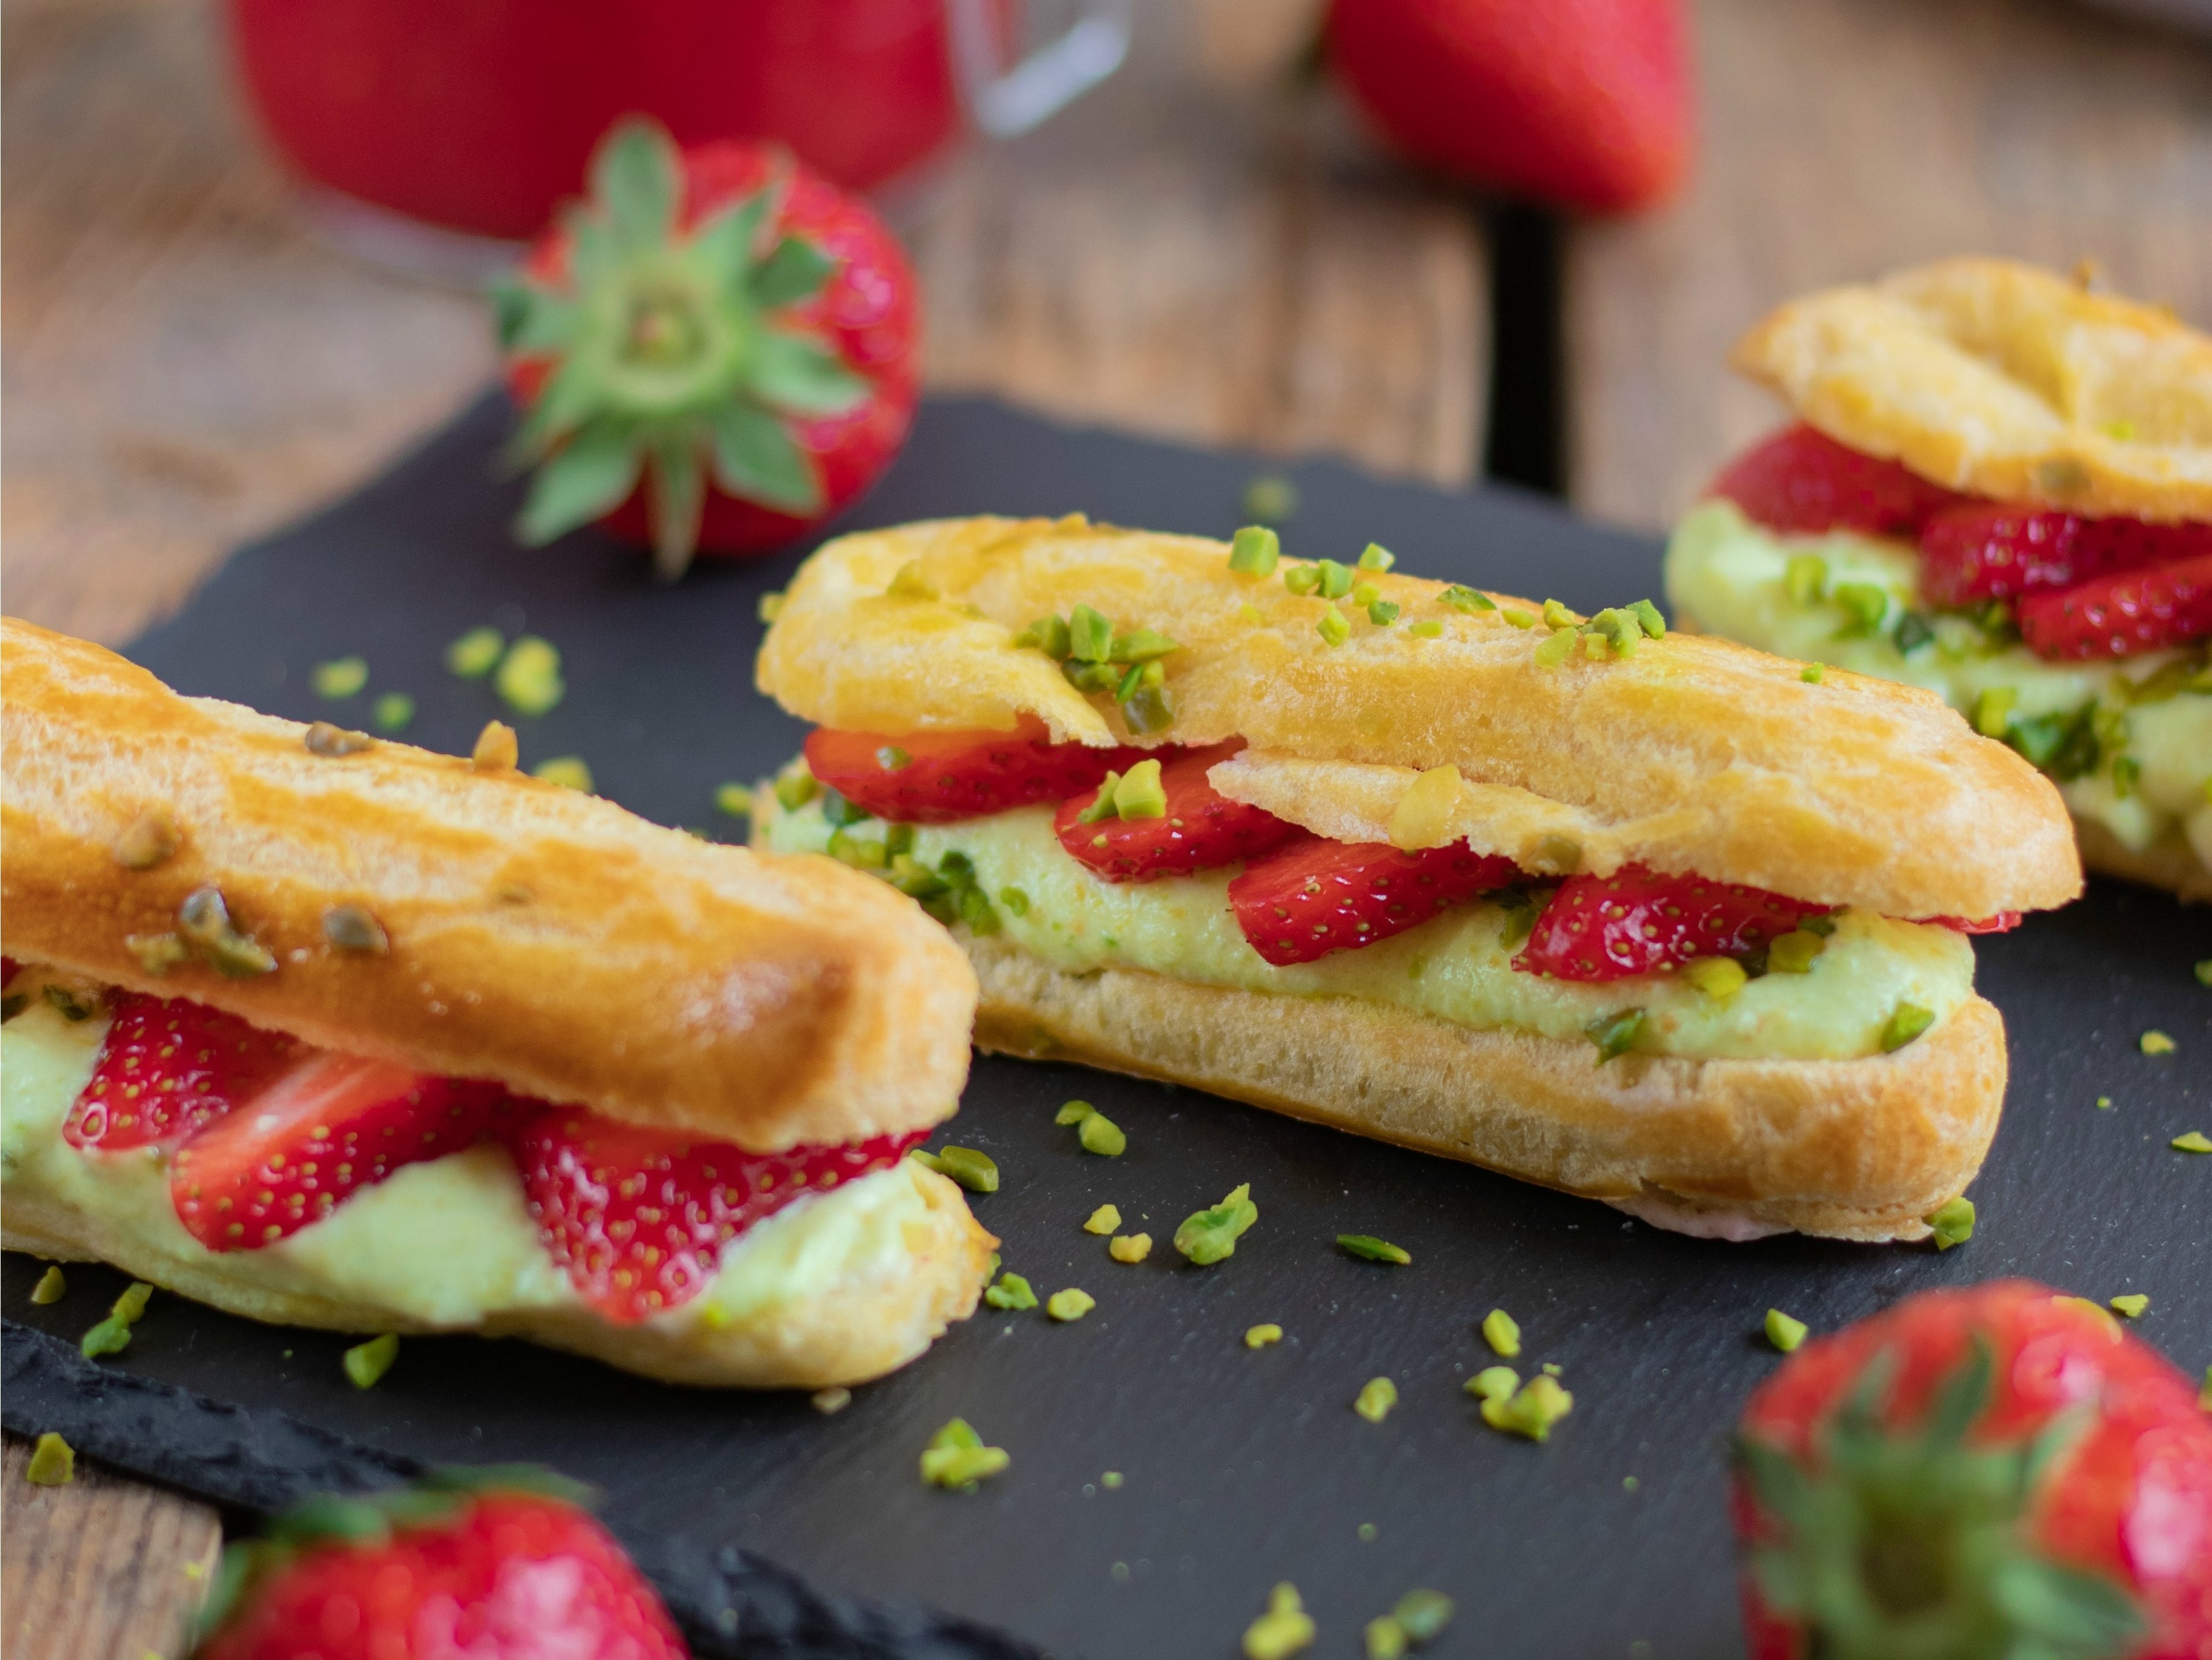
x: 1519, y: 619
x: 204, y: 921
x: 341, y: 677
x: 1207, y: 1237
x: 52, y: 1463
x: 325, y: 739
x: 529, y: 677
x: 1784, y: 1333
x: 1906, y: 1022
x: 1953, y: 1221
x: 1793, y: 953
x: 735, y: 799
x: 1614, y: 1034
x: 907, y: 582
x: 51, y: 1286
x: 1493, y: 1384
x: 1104, y: 1219
x: 1719, y: 978
x: 496, y: 750
x: 2155, y: 1042
x: 1335, y: 578
x: 1110, y: 1480
x: 2133, y: 1305
x: 1805, y: 577
x: 1865, y: 604
x: 1503, y: 1333
x: 366, y: 1363
x: 1129, y: 1246
x: 955, y: 1457
x: 1423, y: 817
x: 351, y: 927
x: 1072, y: 1112
x: 1070, y: 1304
x: 1383, y: 613
x: 1100, y: 1135
x: 1140, y: 794
x: 1365, y: 594
x: 832, y: 1400
x: 1301, y: 580
x: 1427, y: 629
x: 1422, y: 1615
x: 1810, y: 674
x: 476, y: 654
x: 1283, y: 1630
x: 148, y: 839
x: 1366, y: 1533
x: 1012, y: 1292
x: 1386, y: 1638
x: 568, y: 771
x: 1015, y: 900
x: 1332, y: 628
x: 2191, y: 1141
x: 1556, y: 649
x: 1369, y: 1248
x: 157, y: 953
x: 394, y: 712
x: 1376, y: 556
x: 1539, y: 1404
x: 1271, y: 498
x: 1460, y: 597
x: 1259, y: 1336
x: 2104, y: 1103
x: 1375, y: 1398
x: 973, y: 1170
x: 1648, y: 615
x: 2204, y: 972
x: 112, y: 1334
x: 1255, y: 552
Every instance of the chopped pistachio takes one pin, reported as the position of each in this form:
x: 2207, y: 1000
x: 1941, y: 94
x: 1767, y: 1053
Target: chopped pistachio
x: 112, y: 1334
x: 1386, y: 1638
x: 1110, y: 1480
x: 495, y: 749
x: 394, y: 712
x: 1539, y: 1404
x: 1422, y: 1615
x: 324, y: 739
x: 1104, y: 1219
x: 735, y: 799
x: 1793, y: 953
x: 529, y: 678
x: 1493, y: 1384
x: 157, y: 953
x: 1142, y: 646
x: 52, y: 1463
x: 341, y: 677
x: 1519, y: 619
x: 1070, y: 1304
x: 1865, y: 604
x: 1259, y: 1336
x: 973, y: 1170
x: 1427, y: 629
x: 351, y: 927
x: 148, y: 839
x: 1048, y: 634
x: 1283, y: 1630
x: 1375, y: 1398
x: 891, y: 758
x: 1100, y: 1135
x: 907, y: 582
x: 1335, y: 578
x: 1554, y: 651
x: 1369, y: 1248
x: 1072, y: 1112
x: 770, y: 607
x: 1333, y: 628
x: 1129, y: 1246
x: 51, y: 1288
x: 1383, y: 613
x: 1376, y: 556
x: 1460, y: 597
x: 2155, y: 1042
x: 568, y: 771
x: 204, y: 921
x: 1503, y: 1333
x: 1719, y: 978
x: 1015, y: 900
x: 1366, y: 1532
x: 955, y: 1457
x: 1207, y: 1237
x: 476, y: 654
x: 1993, y: 710
x: 1365, y: 594
x: 1906, y: 1022
x: 1648, y: 615
x: 367, y: 1363
x: 2204, y: 972
x: 2133, y: 1305
x: 1784, y: 1333
x: 1810, y: 674
x: 1090, y: 635
x: 1012, y: 1292
x: 1271, y: 498
x: 1424, y: 814
x: 1139, y: 793
x: 1255, y: 552
x: 1301, y: 580
x: 833, y: 1400
x: 1805, y: 577
x: 2104, y: 1103
x: 1148, y: 709
x: 2191, y: 1141
x: 1953, y: 1221
x: 1614, y: 1034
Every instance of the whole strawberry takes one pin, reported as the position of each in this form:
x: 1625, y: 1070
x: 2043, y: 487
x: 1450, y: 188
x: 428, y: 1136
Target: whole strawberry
x: 713, y: 352
x: 1585, y: 103
x: 494, y: 1563
x: 1989, y: 1473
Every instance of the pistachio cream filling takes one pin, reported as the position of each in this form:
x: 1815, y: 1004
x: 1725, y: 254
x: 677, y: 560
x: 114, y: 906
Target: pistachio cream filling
x: 2129, y: 743
x: 444, y: 1243
x: 1010, y: 874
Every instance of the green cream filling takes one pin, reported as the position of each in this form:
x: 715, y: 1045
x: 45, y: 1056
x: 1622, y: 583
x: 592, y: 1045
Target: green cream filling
x: 2141, y: 762
x: 1456, y: 968
x: 446, y: 1243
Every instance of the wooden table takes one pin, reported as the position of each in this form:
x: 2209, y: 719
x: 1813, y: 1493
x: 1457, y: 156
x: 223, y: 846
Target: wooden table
x: 1191, y: 251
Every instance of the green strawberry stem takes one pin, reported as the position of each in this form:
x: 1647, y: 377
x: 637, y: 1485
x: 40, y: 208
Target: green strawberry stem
x: 670, y: 361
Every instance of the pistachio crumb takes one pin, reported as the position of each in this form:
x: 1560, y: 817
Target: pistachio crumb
x: 1793, y: 953
x: 2191, y: 1141
x: 1129, y: 1246
x: 1810, y: 674
x: 1719, y: 978
x: 1208, y: 1237
x: 1519, y: 619
x: 1012, y: 1292
x: 1333, y: 628
x: 1283, y: 1630
x: 1385, y: 1638
x: 148, y: 839
x: 367, y: 1363
x: 1271, y: 498
x: 1460, y: 597
x: 351, y: 927
x: 977, y: 1172
x: 1366, y: 1533
x: 907, y: 582
x: 1255, y: 552
x: 1110, y: 1480
x: 1531, y: 1411
x: 1100, y: 1135
x: 735, y: 799
x: 1104, y: 1219
x: 1906, y: 1022
x: 157, y: 953
x: 1503, y: 1333
x: 1369, y: 1248
x: 830, y: 1400
x: 1422, y: 1615
x: 2204, y: 972
x: 1376, y: 556
x: 1556, y: 649
x: 204, y: 921
x: 2156, y: 1042
x: 1953, y: 1222
x: 495, y: 749
x: 1070, y: 1304
x: 1259, y: 1336
x: 341, y: 677
x: 1784, y: 1333
x: 51, y: 1286
x: 1375, y: 1398
x: 1072, y: 1112
x: 2133, y: 1305
x: 112, y: 1334
x: 1427, y: 629
x: 1614, y: 1034
x: 770, y: 606
x: 52, y: 1463
x: 1423, y: 817
x: 529, y: 678
x: 2104, y: 1103
x: 476, y: 654
x: 568, y: 771
x: 957, y: 1459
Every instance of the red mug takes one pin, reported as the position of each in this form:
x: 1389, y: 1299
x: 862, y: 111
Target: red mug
x: 477, y: 115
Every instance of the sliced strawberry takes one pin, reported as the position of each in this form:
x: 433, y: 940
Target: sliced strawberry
x: 7, y: 967
x: 938, y: 777
x: 1802, y: 481
x: 328, y: 1125
x: 1316, y: 896
x: 2003, y: 922
x: 1635, y: 921
x: 1201, y: 829
x: 1987, y: 552
x: 639, y: 1217
x: 166, y: 1067
x: 2119, y: 616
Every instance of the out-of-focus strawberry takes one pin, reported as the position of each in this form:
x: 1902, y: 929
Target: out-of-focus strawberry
x: 1799, y: 480
x: 941, y: 777
x: 2119, y: 616
x: 1585, y: 103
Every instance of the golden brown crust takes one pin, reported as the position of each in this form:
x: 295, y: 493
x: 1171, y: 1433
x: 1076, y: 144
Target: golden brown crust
x: 2171, y: 864
x: 1696, y: 754
x: 2004, y: 380
x: 856, y: 1332
x: 1846, y: 1149
x: 539, y: 936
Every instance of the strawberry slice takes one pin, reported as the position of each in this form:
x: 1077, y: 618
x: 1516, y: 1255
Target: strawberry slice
x: 2119, y: 616
x: 2003, y: 922
x: 639, y: 1217
x: 1988, y: 552
x: 1316, y: 896
x: 938, y: 777
x: 1802, y: 481
x: 1637, y: 922
x: 7, y: 967
x: 167, y: 1067
x: 1201, y: 828
x: 327, y: 1125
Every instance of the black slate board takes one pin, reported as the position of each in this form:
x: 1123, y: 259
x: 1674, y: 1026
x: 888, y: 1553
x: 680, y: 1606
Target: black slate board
x: 1241, y: 1468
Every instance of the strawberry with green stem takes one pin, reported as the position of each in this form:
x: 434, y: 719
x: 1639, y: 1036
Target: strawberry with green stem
x: 714, y: 351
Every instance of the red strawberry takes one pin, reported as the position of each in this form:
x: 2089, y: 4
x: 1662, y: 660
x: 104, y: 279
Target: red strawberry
x: 2119, y: 616
x: 1802, y: 481
x: 7, y: 967
x: 1201, y: 829
x: 327, y: 1125
x: 166, y: 1067
x: 499, y: 1564
x: 639, y: 1217
x: 714, y: 353
x: 938, y: 777
x: 1986, y: 551
x: 1316, y: 896
x: 2003, y: 922
x: 1635, y: 921
x: 1582, y: 102
x: 1991, y: 1471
